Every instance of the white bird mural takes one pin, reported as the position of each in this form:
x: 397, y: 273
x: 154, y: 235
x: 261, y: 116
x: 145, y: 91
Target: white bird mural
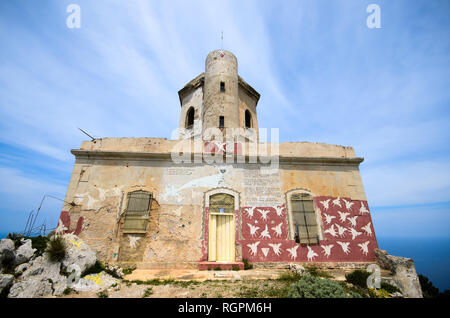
x: 276, y: 248
x: 277, y: 229
x: 249, y: 211
x: 341, y: 230
x: 366, y: 228
x: 293, y: 251
x: 352, y: 220
x: 133, y: 240
x: 220, y: 145
x: 345, y: 246
x: 343, y: 216
x: 331, y: 230
x: 253, y: 229
x: 265, y: 233
x: 354, y: 233
x: 263, y: 213
x: 363, y: 209
x: 328, y: 218
x: 265, y: 251
x: 348, y: 204
x: 311, y: 254
x: 325, y: 204
x: 364, y: 247
x: 337, y: 202
x: 254, y: 248
x: 327, y: 249
x: 279, y: 209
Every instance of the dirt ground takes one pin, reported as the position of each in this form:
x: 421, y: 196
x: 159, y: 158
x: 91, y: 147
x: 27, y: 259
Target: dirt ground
x: 198, y: 284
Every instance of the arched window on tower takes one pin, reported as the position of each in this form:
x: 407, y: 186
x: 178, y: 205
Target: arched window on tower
x: 190, y: 118
x: 248, y: 119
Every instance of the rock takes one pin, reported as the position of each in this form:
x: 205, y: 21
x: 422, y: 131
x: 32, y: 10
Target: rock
x: 95, y: 282
x: 41, y: 277
x: 236, y: 277
x: 6, y: 281
x: 6, y: 252
x: 297, y: 269
x: 78, y: 253
x: 24, y: 253
x: 404, y: 273
x: 21, y: 268
x: 396, y: 295
x: 31, y: 288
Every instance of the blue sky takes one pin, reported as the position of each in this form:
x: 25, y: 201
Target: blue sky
x: 323, y: 76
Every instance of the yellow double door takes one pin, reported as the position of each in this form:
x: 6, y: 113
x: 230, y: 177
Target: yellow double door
x: 221, y: 237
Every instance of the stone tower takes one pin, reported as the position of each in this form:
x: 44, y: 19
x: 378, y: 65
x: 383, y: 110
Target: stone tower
x: 220, y: 95
x: 218, y: 99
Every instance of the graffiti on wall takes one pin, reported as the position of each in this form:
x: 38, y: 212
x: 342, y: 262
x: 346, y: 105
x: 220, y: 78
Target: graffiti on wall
x: 64, y: 224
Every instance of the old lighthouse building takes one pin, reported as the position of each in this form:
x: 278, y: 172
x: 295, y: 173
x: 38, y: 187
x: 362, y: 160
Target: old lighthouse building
x: 218, y: 191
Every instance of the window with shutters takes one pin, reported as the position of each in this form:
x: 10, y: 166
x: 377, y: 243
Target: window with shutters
x: 137, y: 212
x: 304, y: 219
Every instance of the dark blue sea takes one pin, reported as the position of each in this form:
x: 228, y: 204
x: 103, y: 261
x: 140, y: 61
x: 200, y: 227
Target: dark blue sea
x: 431, y: 256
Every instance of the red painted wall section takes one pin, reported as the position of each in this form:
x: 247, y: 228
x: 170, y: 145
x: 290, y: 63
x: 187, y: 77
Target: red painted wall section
x: 64, y: 224
x: 348, y: 233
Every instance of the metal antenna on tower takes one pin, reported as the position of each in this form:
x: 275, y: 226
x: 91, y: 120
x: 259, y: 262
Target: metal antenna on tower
x: 86, y: 134
x: 222, y: 39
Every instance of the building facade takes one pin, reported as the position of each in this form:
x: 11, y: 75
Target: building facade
x: 218, y: 193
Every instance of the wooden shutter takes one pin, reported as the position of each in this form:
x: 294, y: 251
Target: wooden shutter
x: 138, y: 212
x: 304, y: 218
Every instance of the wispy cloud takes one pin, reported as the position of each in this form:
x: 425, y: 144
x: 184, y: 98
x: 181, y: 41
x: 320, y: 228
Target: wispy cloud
x: 323, y: 76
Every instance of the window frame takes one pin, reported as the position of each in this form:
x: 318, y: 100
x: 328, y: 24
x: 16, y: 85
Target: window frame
x: 290, y: 213
x: 190, y: 113
x: 249, y: 119
x: 136, y: 215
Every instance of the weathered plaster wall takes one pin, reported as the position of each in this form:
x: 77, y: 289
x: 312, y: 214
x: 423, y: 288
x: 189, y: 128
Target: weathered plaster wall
x: 176, y: 233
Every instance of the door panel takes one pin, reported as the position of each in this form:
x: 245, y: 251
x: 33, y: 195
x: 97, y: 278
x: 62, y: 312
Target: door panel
x: 221, y: 238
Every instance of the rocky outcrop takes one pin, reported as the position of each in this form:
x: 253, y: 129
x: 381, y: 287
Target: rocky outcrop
x: 7, y: 253
x: 78, y: 253
x: 403, y: 271
x: 6, y: 280
x: 95, y: 282
x: 24, y: 253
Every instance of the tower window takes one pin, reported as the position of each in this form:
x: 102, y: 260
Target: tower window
x: 221, y: 122
x: 304, y: 219
x: 190, y: 118
x: 222, y: 87
x: 248, y: 119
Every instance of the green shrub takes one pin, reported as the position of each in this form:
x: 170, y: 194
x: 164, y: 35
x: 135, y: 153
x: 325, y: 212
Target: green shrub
x: 98, y: 267
x: 314, y: 271
x: 290, y: 277
x: 56, y: 249
x: 129, y: 270
x: 67, y: 291
x: 315, y: 287
x: 428, y: 289
x: 358, y: 278
x: 380, y: 293
x: 390, y: 288
x: 103, y: 294
x: 39, y: 243
x: 148, y: 292
x: 247, y: 265
x: 235, y: 267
